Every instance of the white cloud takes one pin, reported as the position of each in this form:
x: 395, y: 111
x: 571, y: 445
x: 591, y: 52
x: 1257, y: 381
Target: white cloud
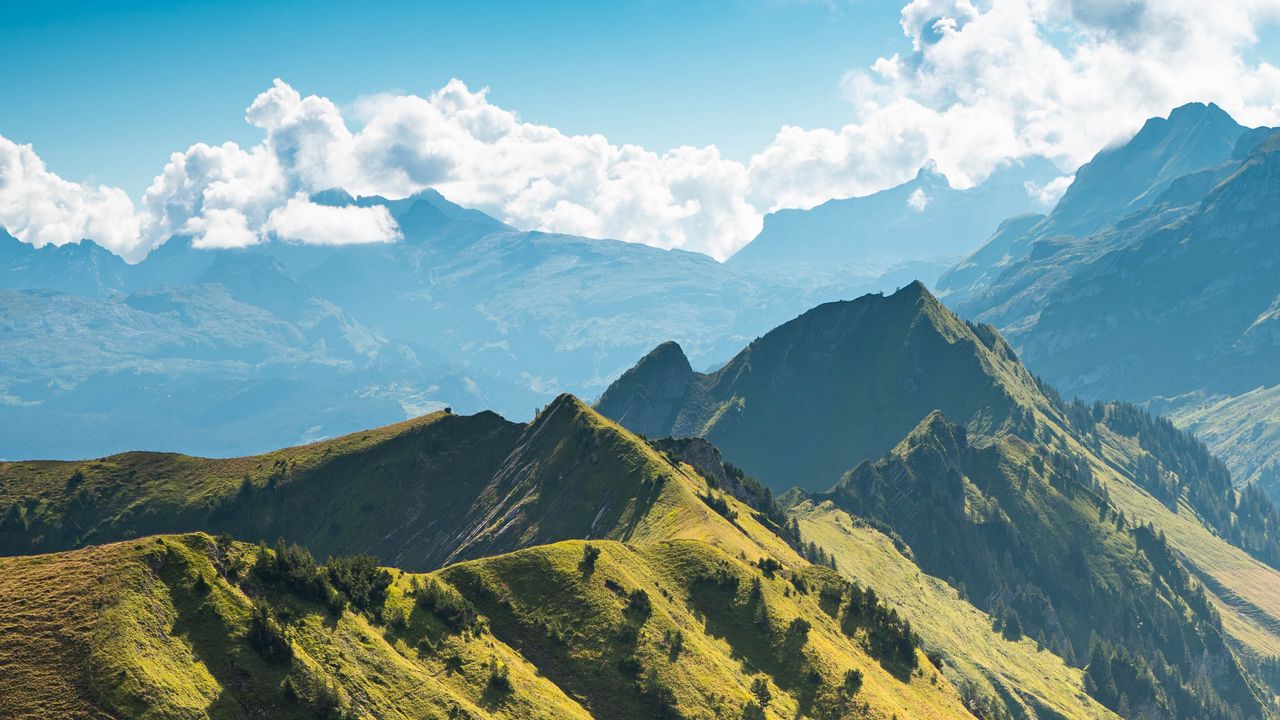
x: 38, y: 207
x: 978, y: 83
x: 219, y: 228
x: 301, y: 220
x: 918, y: 200
x: 1049, y: 193
x: 1003, y: 79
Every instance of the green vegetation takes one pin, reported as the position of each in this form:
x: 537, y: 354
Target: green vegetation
x: 189, y: 626
x: 1175, y: 467
x: 1038, y: 546
x: 1035, y: 513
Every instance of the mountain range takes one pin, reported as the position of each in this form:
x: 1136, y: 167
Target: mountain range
x: 227, y: 351
x: 1162, y: 295
x: 1011, y: 555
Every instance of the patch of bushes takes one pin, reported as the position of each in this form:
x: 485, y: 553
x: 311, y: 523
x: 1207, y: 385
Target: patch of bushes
x: 267, y: 636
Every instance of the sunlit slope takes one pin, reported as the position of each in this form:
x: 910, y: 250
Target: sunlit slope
x: 1031, y: 535
x: 158, y: 628
x: 1020, y: 672
x: 173, y: 627
x: 419, y: 494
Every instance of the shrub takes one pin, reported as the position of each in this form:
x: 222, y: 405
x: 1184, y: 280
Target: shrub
x: 447, y: 604
x: 639, y: 605
x: 499, y: 675
x: 590, y: 553
x: 852, y: 682
x: 760, y: 688
x: 360, y: 579
x: 267, y: 636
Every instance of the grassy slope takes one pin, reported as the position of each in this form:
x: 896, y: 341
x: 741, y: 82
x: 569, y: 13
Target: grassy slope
x: 1246, y: 590
x: 1244, y: 431
x: 335, y: 495
x: 418, y: 494
x: 156, y: 628
x: 147, y: 639
x: 528, y: 593
x: 1033, y: 678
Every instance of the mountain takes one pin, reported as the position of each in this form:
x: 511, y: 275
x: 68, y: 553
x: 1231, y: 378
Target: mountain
x: 463, y: 311
x: 1171, y: 305
x: 419, y: 494
x: 884, y: 362
x: 1148, y: 172
x: 1129, y: 176
x: 1026, y: 530
x: 722, y: 590
x: 995, y: 487
x: 497, y: 508
x: 922, y: 219
x: 82, y: 268
x: 684, y: 603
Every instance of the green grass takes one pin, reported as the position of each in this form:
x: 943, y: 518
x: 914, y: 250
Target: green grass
x: 1037, y: 680
x: 157, y: 628
x: 418, y: 495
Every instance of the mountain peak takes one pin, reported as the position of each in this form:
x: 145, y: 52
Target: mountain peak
x: 1127, y: 177
x: 842, y: 382
x: 647, y: 397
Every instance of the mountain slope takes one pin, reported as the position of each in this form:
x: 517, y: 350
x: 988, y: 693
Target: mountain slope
x: 1030, y: 681
x: 1027, y: 532
x: 1149, y: 174
x: 419, y: 494
x: 1158, y: 477
x: 192, y: 626
x: 884, y: 363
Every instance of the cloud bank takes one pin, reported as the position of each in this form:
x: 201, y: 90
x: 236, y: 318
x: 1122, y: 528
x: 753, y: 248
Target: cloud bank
x: 978, y: 84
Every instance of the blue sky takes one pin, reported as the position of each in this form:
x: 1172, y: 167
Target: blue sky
x: 105, y: 91
x: 675, y: 124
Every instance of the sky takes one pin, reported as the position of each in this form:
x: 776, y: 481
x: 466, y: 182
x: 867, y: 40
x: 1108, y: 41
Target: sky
x: 677, y: 124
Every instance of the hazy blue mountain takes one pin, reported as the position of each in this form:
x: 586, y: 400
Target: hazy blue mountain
x: 1127, y: 177
x: 922, y: 219
x: 463, y: 311
x: 1172, y: 303
x: 1158, y: 168
x: 84, y: 268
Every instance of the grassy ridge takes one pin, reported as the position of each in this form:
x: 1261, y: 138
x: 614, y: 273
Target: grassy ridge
x: 165, y: 627
x: 418, y: 494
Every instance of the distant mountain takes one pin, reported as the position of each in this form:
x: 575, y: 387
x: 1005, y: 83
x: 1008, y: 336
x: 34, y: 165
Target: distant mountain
x: 463, y: 311
x: 1132, y: 175
x: 1171, y: 304
x: 83, y: 268
x: 1117, y: 182
x: 922, y: 219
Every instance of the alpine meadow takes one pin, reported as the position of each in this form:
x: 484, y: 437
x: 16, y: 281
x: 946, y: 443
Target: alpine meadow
x: 640, y: 361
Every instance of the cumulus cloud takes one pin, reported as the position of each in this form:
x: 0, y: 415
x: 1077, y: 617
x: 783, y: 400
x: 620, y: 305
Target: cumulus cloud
x: 38, y: 207
x: 977, y: 84
x: 986, y: 82
x: 918, y: 200
x: 301, y: 220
